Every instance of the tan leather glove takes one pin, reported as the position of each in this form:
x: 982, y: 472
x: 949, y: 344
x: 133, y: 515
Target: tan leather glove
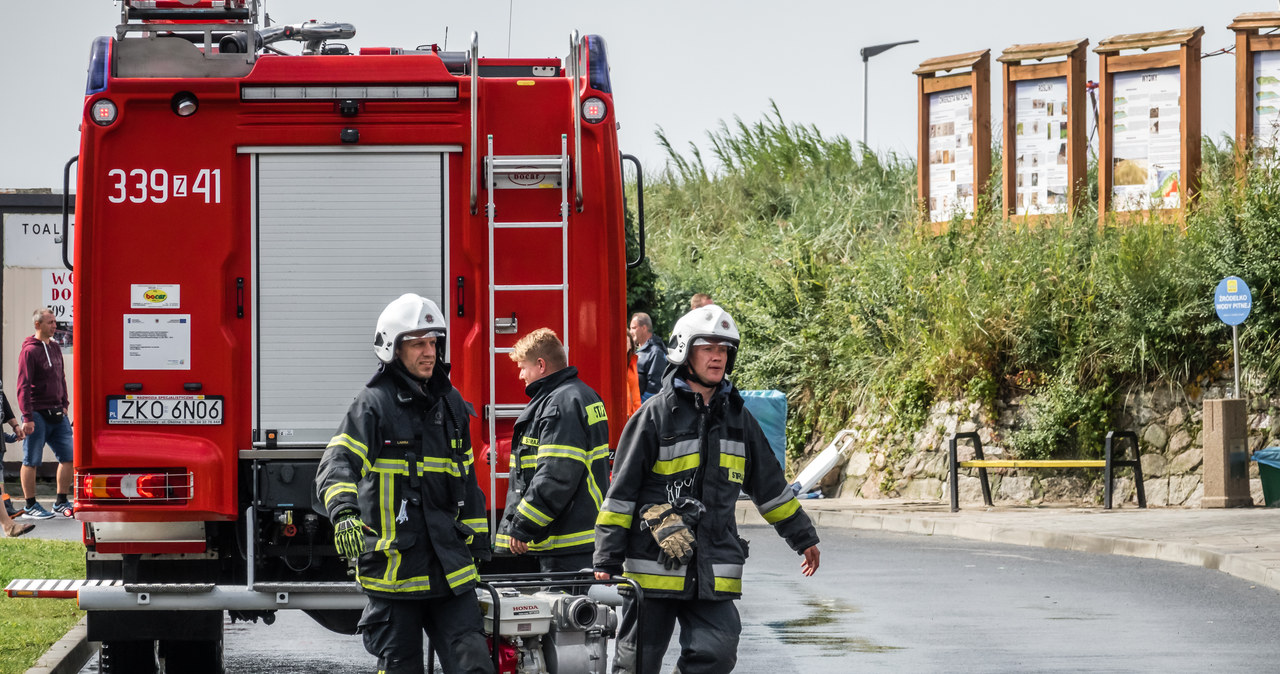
x: 674, y: 537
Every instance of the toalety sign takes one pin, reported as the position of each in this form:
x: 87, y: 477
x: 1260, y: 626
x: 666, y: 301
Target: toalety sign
x: 1232, y: 300
x: 33, y: 240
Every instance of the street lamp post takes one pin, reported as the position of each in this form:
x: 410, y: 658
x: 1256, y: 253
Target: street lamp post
x: 867, y: 53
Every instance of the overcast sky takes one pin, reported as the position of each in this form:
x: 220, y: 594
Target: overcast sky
x: 682, y: 65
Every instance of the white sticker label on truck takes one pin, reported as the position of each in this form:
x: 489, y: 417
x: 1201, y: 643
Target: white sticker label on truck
x: 164, y: 409
x: 155, y: 296
x: 157, y: 341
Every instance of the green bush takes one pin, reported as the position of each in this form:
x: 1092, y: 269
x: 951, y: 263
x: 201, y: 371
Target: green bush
x: 846, y: 300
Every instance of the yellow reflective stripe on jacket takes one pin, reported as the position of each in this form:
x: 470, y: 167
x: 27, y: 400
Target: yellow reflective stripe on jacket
x: 653, y: 575
x: 338, y: 488
x: 732, y: 462
x: 358, y: 448
x: 614, y: 512
x: 678, y: 457
x: 606, y: 518
x: 563, y: 452
x: 552, y: 542
x: 651, y: 582
x: 537, y: 516
x: 416, y: 584
x: 426, y: 465
x: 386, y: 511
x: 688, y: 462
x: 728, y: 585
x: 463, y: 575
x: 528, y: 461
x: 598, y: 454
x: 782, y: 512
x: 479, y: 525
x: 781, y: 507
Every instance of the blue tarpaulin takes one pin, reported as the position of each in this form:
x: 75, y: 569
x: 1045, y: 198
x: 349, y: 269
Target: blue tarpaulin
x: 770, y: 410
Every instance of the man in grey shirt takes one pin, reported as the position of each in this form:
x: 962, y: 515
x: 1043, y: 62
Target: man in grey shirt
x: 651, y: 355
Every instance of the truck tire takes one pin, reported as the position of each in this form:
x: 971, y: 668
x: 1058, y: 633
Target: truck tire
x: 192, y: 657
x: 124, y: 657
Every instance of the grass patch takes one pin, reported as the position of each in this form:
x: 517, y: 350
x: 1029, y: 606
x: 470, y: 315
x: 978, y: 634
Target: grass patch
x: 31, y: 626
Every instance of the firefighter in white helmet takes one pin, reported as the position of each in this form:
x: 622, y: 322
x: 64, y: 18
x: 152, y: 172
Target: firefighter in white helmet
x: 668, y: 522
x: 398, y: 483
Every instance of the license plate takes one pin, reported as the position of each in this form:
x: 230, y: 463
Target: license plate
x: 176, y: 409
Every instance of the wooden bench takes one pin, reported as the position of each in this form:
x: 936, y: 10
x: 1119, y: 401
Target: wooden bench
x: 1108, y: 464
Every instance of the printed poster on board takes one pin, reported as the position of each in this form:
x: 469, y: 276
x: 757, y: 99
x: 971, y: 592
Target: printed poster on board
x: 1146, y: 125
x: 1040, y: 129
x: 56, y: 286
x: 950, y: 153
x: 1266, y: 106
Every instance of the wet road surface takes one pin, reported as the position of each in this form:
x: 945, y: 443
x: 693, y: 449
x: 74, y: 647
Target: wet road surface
x: 898, y: 602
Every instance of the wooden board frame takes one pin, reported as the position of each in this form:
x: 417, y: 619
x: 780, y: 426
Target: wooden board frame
x: 931, y: 77
x: 1248, y: 43
x: 1187, y: 59
x: 1015, y: 69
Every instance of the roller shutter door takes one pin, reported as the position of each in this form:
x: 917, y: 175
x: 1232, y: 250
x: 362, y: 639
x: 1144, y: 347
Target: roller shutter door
x: 338, y: 236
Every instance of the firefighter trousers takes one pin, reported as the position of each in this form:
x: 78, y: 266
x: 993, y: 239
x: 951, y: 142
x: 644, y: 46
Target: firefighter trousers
x: 562, y: 563
x: 392, y: 631
x: 708, y: 635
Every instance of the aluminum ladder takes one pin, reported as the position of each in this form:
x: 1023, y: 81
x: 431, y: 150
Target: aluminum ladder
x: 508, y: 165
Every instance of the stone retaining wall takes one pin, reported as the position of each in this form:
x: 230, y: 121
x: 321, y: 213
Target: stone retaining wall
x: 913, y: 465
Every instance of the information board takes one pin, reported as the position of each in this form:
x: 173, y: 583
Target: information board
x: 1266, y: 105
x: 1146, y: 129
x: 1040, y: 127
x: 950, y: 154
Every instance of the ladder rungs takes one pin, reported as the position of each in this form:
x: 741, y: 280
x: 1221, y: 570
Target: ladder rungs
x: 558, y: 286
x: 503, y: 349
x: 526, y: 164
x: 528, y: 225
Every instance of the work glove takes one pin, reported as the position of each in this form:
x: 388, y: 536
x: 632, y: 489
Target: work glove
x: 670, y: 525
x: 348, y: 535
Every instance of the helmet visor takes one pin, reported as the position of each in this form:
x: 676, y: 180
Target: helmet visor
x: 420, y: 334
x: 712, y: 341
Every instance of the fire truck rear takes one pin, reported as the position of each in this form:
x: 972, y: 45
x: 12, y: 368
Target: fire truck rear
x: 243, y: 216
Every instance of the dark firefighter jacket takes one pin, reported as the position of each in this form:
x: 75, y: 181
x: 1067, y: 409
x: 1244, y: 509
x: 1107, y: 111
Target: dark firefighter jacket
x: 402, y: 458
x: 678, y: 446
x: 559, y: 467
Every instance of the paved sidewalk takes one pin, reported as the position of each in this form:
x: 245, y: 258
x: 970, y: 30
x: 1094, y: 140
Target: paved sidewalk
x: 1243, y: 542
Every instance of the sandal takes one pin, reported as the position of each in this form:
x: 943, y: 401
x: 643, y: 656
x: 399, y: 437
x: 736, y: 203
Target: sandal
x: 16, y: 529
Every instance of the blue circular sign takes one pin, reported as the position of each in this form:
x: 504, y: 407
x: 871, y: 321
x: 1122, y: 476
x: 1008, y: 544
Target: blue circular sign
x: 1232, y: 300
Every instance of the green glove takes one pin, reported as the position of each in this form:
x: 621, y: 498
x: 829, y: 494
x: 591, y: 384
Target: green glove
x: 348, y: 535
x: 674, y: 537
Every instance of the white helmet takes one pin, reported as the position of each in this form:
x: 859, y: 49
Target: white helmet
x: 704, y: 325
x: 408, y: 313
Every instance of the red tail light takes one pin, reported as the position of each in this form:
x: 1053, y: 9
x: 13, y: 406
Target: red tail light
x: 157, y: 487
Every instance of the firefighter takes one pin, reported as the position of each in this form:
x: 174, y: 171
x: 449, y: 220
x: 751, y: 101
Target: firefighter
x: 668, y: 519
x: 559, y: 460
x: 397, y: 482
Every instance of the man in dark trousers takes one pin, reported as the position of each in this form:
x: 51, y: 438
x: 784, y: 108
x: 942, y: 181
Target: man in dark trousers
x: 42, y: 397
x: 559, y: 460
x: 668, y: 520
x: 398, y: 483
x: 651, y: 359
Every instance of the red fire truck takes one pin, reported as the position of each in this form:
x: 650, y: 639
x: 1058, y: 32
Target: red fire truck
x: 243, y: 216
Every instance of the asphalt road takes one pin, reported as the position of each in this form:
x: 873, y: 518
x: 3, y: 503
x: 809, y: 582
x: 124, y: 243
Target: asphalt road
x: 898, y: 602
